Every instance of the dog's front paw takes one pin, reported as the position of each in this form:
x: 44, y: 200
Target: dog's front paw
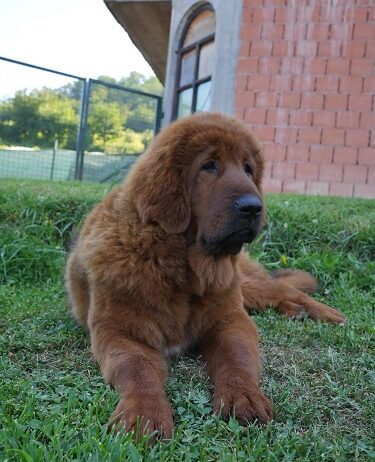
x: 244, y: 401
x: 144, y: 414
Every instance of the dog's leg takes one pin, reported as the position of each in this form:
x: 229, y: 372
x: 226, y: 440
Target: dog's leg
x: 138, y: 372
x: 232, y: 354
x: 283, y: 292
x: 78, y: 288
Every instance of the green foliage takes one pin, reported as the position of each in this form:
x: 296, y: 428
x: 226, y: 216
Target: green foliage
x: 119, y: 122
x: 54, y: 404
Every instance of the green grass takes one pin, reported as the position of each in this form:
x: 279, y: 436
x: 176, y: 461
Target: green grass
x: 54, y: 404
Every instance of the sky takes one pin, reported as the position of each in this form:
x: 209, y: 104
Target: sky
x: 80, y: 37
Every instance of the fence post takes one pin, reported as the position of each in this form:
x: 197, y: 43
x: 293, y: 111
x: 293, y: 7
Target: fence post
x: 159, y: 115
x: 82, y: 129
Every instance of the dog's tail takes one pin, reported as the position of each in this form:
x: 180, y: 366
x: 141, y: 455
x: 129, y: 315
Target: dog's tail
x: 299, y: 279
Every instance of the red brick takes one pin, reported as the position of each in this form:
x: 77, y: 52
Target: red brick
x: 309, y: 135
x: 271, y: 185
x: 364, y: 190
x: 331, y: 172
x: 247, y: 65
x: 284, y: 170
x: 354, y: 49
x: 370, y: 49
x: 315, y: 66
x: 327, y: 83
x: 281, y: 82
x: 338, y: 66
x: 241, y: 82
x: 317, y: 188
x: 294, y: 186
x: 295, y: 31
x: 244, y: 49
x: 371, y: 175
x: 358, y: 137
x: 286, y: 135
x: 369, y: 85
x: 290, y: 100
x: 252, y: 3
x: 269, y: 66
x: 264, y: 133
x: 321, y: 154
x: 272, y: 31
x: 292, y: 65
x: 306, y: 48
x: 247, y: 16
x: 336, y: 102
x: 266, y: 99
x: 285, y: 14
x: 268, y: 169
x: 333, y: 136
x: 298, y: 152
x: 362, y: 67
x: 338, y: 31
x: 355, y: 173
x: 300, y: 118
x: 364, y: 31
x: 307, y: 171
x: 260, y: 15
x: 312, y: 101
x: 367, y: 120
x: 274, y: 2
x: 255, y: 115
x: 356, y: 13
x: 261, y: 48
x: 258, y: 82
x: 366, y: 156
x: 278, y: 117
x: 303, y: 83
x: 351, y: 84
x: 317, y: 31
x: 331, y: 14
x: 275, y: 152
x: 346, y: 119
x: 282, y: 48
x: 239, y: 112
x: 341, y: 189
x: 245, y: 98
x: 330, y: 48
x: 250, y: 33
x: 324, y: 118
x: 308, y: 12
x: 345, y: 155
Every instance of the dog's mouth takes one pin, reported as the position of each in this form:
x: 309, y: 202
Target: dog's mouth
x: 231, y: 243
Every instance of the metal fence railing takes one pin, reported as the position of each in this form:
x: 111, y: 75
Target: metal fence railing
x: 71, y: 127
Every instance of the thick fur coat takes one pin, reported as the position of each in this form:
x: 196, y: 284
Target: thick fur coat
x: 158, y: 268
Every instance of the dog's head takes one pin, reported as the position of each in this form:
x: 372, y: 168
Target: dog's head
x: 202, y: 176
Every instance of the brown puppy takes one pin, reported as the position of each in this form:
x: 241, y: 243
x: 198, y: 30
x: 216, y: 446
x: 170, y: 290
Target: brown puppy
x: 158, y: 268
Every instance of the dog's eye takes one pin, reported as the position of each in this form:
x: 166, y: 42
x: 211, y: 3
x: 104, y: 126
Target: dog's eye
x: 248, y: 170
x: 209, y: 166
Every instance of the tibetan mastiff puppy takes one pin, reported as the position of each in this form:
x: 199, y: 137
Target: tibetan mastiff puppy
x: 159, y: 268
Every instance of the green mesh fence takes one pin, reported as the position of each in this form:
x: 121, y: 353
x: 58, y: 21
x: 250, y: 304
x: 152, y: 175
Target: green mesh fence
x: 71, y: 127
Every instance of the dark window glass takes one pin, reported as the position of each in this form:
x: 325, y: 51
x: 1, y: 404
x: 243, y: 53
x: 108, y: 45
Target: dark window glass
x: 195, y: 65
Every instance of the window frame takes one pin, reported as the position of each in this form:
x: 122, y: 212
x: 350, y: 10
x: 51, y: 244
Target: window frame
x: 198, y: 45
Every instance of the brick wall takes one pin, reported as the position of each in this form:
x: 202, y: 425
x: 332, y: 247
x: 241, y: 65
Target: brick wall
x: 306, y: 86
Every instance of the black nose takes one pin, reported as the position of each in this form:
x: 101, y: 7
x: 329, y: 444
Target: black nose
x: 249, y: 204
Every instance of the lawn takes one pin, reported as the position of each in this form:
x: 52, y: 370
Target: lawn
x: 54, y: 404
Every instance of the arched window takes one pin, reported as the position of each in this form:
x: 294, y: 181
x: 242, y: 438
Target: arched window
x: 194, y: 64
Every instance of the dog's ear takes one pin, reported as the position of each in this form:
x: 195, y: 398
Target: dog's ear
x: 162, y: 193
